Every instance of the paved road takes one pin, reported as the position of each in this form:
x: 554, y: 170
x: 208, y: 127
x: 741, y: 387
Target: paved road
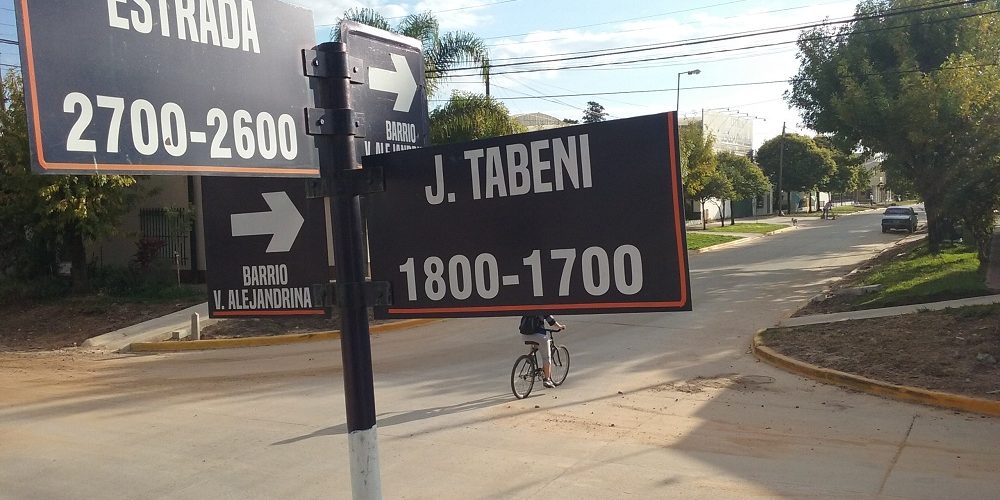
x: 656, y: 406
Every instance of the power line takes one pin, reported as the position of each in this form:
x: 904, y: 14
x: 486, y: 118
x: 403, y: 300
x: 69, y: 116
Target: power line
x: 654, y: 45
x: 742, y: 16
x: 727, y: 37
x: 741, y: 84
x: 433, y: 12
x: 462, y: 8
x: 733, y: 49
x: 651, y: 64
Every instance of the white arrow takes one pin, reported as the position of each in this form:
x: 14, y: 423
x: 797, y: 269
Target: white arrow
x: 282, y: 222
x: 399, y: 82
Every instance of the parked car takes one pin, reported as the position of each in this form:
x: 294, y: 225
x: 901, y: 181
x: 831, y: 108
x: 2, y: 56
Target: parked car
x: 899, y: 218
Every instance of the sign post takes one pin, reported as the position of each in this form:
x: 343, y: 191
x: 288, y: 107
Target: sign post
x: 380, y: 74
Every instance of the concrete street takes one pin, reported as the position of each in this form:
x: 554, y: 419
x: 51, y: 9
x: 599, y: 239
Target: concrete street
x: 655, y: 406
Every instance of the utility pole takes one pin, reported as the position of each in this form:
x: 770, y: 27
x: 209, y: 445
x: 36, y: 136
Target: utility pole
x: 781, y: 167
x: 487, y: 84
x: 3, y: 91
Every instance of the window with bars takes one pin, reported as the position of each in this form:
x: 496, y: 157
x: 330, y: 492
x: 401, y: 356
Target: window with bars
x: 172, y: 226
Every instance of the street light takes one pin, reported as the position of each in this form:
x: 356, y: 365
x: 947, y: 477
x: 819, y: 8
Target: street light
x: 692, y: 72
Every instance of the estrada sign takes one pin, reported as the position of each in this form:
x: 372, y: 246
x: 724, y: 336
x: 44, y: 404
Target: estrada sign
x: 266, y: 246
x: 584, y: 219
x: 168, y: 87
x: 393, y: 98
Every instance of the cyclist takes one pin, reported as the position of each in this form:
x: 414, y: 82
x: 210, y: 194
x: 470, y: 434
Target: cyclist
x: 532, y: 330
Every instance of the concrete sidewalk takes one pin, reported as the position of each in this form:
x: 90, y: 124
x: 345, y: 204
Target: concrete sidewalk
x: 888, y: 311
x: 156, y: 329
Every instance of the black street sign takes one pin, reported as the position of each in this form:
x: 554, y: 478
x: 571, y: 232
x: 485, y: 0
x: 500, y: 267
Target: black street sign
x: 583, y: 219
x: 392, y: 98
x: 146, y: 87
x: 266, y: 245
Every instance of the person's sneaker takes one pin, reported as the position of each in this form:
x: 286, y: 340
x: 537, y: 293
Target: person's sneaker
x: 548, y: 383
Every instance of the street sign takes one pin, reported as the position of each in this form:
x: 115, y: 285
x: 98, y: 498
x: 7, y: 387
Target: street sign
x: 266, y: 244
x: 143, y: 87
x: 584, y: 219
x: 392, y: 99
x: 395, y: 108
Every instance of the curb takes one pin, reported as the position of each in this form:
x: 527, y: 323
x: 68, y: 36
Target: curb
x: 296, y: 338
x: 871, y: 386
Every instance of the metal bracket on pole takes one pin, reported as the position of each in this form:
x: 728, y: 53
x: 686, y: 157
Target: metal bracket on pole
x: 358, y: 181
x: 375, y: 293
x: 323, y: 294
x: 335, y: 122
x: 317, y: 64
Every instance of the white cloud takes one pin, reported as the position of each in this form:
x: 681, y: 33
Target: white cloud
x: 326, y: 12
x: 451, y: 14
x: 454, y: 15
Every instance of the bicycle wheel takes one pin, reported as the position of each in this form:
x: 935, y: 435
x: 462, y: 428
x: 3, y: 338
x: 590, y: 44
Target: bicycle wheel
x: 560, y: 364
x: 522, y: 376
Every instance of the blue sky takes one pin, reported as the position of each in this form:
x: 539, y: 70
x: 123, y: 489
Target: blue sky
x: 551, y: 28
x: 534, y: 28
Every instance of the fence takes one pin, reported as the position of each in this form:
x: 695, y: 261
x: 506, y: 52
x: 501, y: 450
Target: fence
x: 172, y: 226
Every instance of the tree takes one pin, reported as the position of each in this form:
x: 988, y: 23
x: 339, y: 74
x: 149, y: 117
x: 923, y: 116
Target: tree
x: 920, y: 87
x: 442, y: 52
x: 594, y: 113
x: 48, y: 218
x: 972, y: 202
x: 699, y: 168
x: 747, y: 179
x: 469, y: 116
x: 570, y: 122
x: 849, y: 172
x: 802, y: 166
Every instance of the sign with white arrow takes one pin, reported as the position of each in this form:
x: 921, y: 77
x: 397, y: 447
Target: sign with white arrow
x: 393, y: 98
x: 282, y: 221
x: 399, y: 81
x: 265, y: 245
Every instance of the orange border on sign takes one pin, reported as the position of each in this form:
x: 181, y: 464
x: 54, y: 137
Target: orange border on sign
x: 681, y: 260
x: 286, y: 312
x: 40, y: 151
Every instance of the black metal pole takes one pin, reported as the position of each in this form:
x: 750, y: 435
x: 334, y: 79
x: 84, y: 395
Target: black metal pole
x: 337, y: 155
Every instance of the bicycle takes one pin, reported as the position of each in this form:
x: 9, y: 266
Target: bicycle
x: 526, y: 369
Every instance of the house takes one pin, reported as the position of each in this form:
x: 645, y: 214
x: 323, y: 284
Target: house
x: 171, y: 214
x: 733, y: 132
x: 539, y: 121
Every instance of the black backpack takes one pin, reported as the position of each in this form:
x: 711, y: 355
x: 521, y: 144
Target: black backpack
x: 530, y: 325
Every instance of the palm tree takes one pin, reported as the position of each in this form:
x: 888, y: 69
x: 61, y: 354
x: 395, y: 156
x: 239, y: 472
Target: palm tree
x: 442, y: 52
x: 468, y: 117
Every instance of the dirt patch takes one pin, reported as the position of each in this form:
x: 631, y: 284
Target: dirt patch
x: 263, y: 327
x: 68, y: 322
x: 953, y: 351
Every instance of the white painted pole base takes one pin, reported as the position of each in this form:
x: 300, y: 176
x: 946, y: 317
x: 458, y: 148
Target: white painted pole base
x: 366, y: 483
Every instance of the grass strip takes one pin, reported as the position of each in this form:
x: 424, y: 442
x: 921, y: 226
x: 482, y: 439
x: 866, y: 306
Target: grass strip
x: 919, y: 277
x: 748, y: 227
x: 697, y: 241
